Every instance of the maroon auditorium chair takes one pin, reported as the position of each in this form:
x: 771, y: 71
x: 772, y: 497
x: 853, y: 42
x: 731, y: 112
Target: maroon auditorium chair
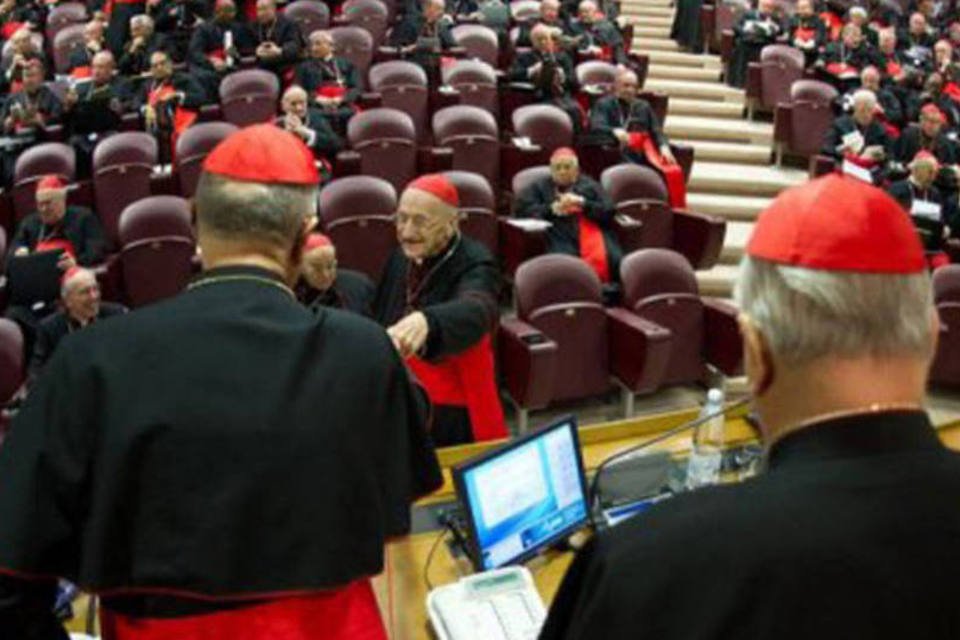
x: 946, y: 295
x: 357, y: 212
x: 402, y: 85
x: 192, y: 149
x: 62, y: 16
x: 479, y: 42
x: 122, y: 166
x: 157, y: 249
x: 356, y: 45
x: 565, y: 345
x: 525, y: 10
x: 386, y: 141
x: 475, y: 83
x: 3, y: 264
x: 34, y: 163
x: 638, y: 192
x: 473, y: 135
x: 769, y: 80
x: 249, y: 97
x: 596, y: 76
x: 660, y: 287
x: 310, y: 15
x: 478, y: 208
x: 800, y: 125
x: 371, y: 15
x: 547, y: 127
x: 67, y: 40
x: 12, y: 369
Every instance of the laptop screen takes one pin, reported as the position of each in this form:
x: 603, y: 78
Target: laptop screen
x: 524, y: 496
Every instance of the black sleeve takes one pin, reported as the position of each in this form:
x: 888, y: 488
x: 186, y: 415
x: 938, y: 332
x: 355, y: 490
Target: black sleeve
x: 403, y: 34
x: 26, y: 609
x: 569, y: 617
x: 42, y: 349
x: 193, y: 94
x: 291, y: 44
x: 196, y: 51
x: 93, y: 240
x: 832, y: 141
x: 600, y: 118
x: 447, y: 41
x: 653, y: 125
x: 597, y: 204
x: 25, y: 236
x: 532, y: 204
x: 351, y: 78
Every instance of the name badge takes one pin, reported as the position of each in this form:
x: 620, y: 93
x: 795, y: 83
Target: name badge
x: 926, y: 209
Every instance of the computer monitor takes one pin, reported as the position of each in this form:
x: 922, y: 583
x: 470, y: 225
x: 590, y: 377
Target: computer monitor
x: 523, y: 496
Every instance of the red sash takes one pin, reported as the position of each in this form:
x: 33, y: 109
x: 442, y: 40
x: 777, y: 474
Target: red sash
x: 892, y: 130
x: 842, y: 70
x: 331, y: 91
x: 9, y: 28
x: 81, y: 72
x: 833, y: 23
x: 350, y: 613
x: 804, y: 34
x: 182, y: 118
x: 672, y: 173
x: 893, y: 68
x: 218, y: 54
x: 56, y: 243
x: 866, y: 163
x: 466, y: 379
x: 952, y: 90
x: 593, y: 249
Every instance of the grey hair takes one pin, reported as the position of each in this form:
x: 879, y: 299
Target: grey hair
x: 864, y: 95
x: 253, y: 211
x: 142, y: 19
x: 69, y: 284
x: 808, y: 314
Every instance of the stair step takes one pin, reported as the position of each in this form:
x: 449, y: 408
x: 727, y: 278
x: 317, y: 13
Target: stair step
x: 647, y: 3
x: 653, y: 21
x: 651, y: 31
x: 734, y: 152
x: 731, y: 207
x: 735, y: 241
x: 693, y: 89
x: 674, y: 72
x: 699, y: 128
x: 718, y: 281
x: 705, y: 109
x: 684, y: 59
x: 741, y: 179
x: 643, y: 44
x: 643, y: 10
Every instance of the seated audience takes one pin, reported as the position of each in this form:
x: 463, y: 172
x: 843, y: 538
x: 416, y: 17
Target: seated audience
x: 176, y: 20
x: 842, y: 61
x: 598, y: 38
x: 81, y: 58
x: 169, y: 102
x: 23, y: 51
x: 931, y: 135
x: 424, y: 36
x: 34, y: 105
x: 550, y: 70
x: 323, y: 284
x: 331, y: 81
x: 438, y: 299
x: 216, y: 47
x: 916, y: 42
x: 932, y: 214
x: 580, y: 214
x: 310, y: 126
x: 549, y: 16
x: 276, y: 39
x: 859, y: 138
x: 806, y: 31
x: 889, y: 110
x: 144, y: 41
x: 755, y: 30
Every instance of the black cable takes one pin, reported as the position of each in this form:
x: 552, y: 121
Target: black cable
x: 426, y: 565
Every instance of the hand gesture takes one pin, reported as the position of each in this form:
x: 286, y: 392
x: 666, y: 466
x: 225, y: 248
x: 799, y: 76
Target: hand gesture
x: 410, y: 334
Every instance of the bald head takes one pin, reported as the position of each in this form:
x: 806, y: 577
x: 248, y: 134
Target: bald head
x: 626, y: 85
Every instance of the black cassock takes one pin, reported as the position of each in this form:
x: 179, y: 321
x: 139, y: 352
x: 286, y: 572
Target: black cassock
x: 752, y: 33
x: 351, y: 291
x: 873, y: 134
x: 227, y: 442
x: 852, y: 532
x: 929, y: 227
x: 611, y: 113
x: 946, y: 150
x: 333, y: 74
x: 557, y: 87
x: 208, y: 39
x: 284, y: 33
x: 686, y: 28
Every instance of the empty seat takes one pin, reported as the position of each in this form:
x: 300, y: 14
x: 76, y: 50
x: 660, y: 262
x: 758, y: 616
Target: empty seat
x: 357, y: 212
x: 309, y: 15
x: 478, y: 208
x: 565, y: 345
x: 801, y: 124
x: 157, y: 249
x: 478, y: 41
x: 356, y: 45
x: 770, y: 79
x: 249, y: 97
x: 62, y: 16
x: 68, y: 40
x: 525, y: 10
x: 473, y: 135
x: 193, y: 147
x: 546, y: 126
x: 402, y: 85
x: 373, y: 16
x: 34, y: 163
x: 476, y: 82
x: 386, y: 141
x: 660, y: 286
x: 946, y: 297
x: 122, y: 166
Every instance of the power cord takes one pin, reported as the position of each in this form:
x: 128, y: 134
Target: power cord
x: 433, y: 551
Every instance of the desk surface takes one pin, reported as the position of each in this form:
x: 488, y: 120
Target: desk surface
x: 402, y: 590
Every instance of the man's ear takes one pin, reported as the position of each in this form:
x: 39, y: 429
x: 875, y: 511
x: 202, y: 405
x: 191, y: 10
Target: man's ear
x: 757, y: 358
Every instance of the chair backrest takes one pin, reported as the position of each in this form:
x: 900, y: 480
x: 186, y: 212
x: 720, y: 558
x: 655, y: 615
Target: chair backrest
x: 309, y: 15
x: 476, y: 82
x: 638, y: 191
x: 946, y: 284
x: 473, y: 135
x: 63, y: 15
x: 402, y: 85
x: 357, y: 213
x: 522, y: 180
x: 945, y: 368
x: 596, y: 73
x: 479, y: 42
x: 157, y: 249
x: 561, y: 296
x: 659, y: 285
x: 811, y: 116
x: 781, y: 66
x: 386, y: 140
x: 547, y: 126
x: 12, y: 369
x: 67, y: 40
x: 525, y: 10
x: 192, y: 148
x: 370, y: 15
x: 34, y: 163
x: 356, y: 45
x: 478, y: 208
x: 249, y: 97
x: 122, y: 166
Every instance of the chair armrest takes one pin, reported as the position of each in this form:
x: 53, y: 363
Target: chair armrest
x: 434, y: 159
x: 528, y: 363
x: 640, y: 63
x: 513, y: 95
x: 639, y: 350
x: 130, y: 121
x: 723, y: 344
x: 754, y: 80
x: 726, y: 45
x: 383, y: 54
x: 698, y: 237
x: 53, y: 133
x: 450, y: 97
x: 952, y: 247
x: 370, y: 100
x: 782, y: 122
x: 684, y: 155
x: 629, y: 233
x: 210, y: 113
x: 347, y: 163
x: 518, y: 245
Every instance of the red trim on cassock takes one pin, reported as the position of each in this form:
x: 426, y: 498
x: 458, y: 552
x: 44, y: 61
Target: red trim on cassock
x: 81, y: 72
x: 893, y: 68
x: 466, y: 380
x: 672, y: 172
x: 937, y: 260
x: 54, y: 244
x: 593, y: 248
x: 842, y: 70
x: 350, y: 613
x: 804, y: 34
x: 10, y: 28
x: 330, y: 91
x: 833, y: 23
x: 866, y: 163
x: 952, y: 90
x: 182, y: 118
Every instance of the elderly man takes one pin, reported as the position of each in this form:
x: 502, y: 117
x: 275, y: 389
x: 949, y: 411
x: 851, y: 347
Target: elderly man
x: 934, y: 215
x: 755, y: 30
x: 177, y: 19
x: 216, y: 46
x: 332, y: 81
x: 119, y: 25
x: 423, y: 37
x: 169, y: 102
x: 144, y: 42
x: 252, y: 487
x: 889, y: 58
x: 917, y: 41
x: 580, y: 213
x: 806, y: 31
x: 34, y: 105
x: 843, y: 60
x: 322, y: 284
x: 81, y: 58
x: 276, y: 39
x: 550, y: 70
x: 630, y: 122
x: 598, y: 37
x: 859, y: 138
x: 931, y: 135
x: 309, y: 125
x: 858, y: 496
x: 550, y: 16
x: 438, y: 299
x: 81, y: 307
x: 889, y: 110
x: 22, y: 50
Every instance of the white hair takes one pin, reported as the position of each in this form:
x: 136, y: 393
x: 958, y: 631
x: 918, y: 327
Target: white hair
x: 67, y: 285
x: 864, y: 96
x: 809, y: 314
x: 142, y: 20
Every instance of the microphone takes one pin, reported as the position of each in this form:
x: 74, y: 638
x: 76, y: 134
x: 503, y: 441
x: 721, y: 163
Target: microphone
x: 666, y: 435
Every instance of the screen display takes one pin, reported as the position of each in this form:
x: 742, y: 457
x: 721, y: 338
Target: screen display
x: 525, y: 496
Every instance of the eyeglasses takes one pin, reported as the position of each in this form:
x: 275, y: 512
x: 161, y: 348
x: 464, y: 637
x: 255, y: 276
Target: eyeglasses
x: 419, y: 222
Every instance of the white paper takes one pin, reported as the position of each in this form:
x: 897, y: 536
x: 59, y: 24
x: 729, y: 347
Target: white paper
x: 926, y: 209
x: 855, y: 170
x: 530, y: 224
x: 853, y: 141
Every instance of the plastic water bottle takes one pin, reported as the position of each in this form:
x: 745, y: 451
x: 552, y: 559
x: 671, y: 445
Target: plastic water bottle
x: 703, y: 467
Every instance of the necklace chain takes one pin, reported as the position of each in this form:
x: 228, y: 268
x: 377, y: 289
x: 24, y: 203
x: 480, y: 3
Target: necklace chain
x: 241, y: 278
x: 876, y: 407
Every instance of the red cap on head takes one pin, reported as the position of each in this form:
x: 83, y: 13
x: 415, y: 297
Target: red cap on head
x: 837, y: 223
x: 70, y: 274
x: 221, y: 3
x: 316, y: 241
x: 263, y: 153
x: 563, y: 152
x: 931, y: 110
x: 925, y: 156
x: 51, y: 182
x: 438, y: 185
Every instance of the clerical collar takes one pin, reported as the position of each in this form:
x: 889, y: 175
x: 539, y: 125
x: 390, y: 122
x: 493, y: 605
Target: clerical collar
x: 241, y: 274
